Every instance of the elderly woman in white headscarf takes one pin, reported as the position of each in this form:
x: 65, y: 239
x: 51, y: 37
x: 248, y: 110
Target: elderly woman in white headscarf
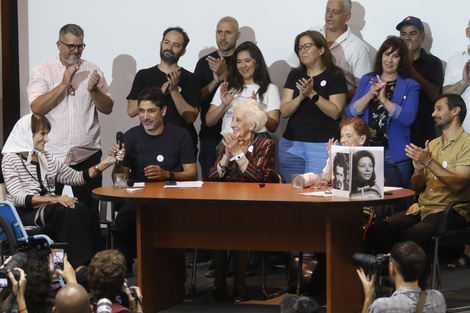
x: 30, y: 175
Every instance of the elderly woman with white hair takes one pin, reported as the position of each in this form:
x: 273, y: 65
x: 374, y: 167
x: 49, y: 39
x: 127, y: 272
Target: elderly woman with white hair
x: 244, y: 157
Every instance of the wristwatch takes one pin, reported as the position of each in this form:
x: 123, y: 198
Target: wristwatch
x: 172, y: 176
x: 237, y: 157
x: 315, y: 97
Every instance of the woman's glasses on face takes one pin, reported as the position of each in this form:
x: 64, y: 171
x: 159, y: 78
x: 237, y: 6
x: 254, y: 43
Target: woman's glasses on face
x: 305, y: 47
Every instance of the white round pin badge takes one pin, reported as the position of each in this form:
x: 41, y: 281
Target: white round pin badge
x: 323, y: 83
x: 160, y: 158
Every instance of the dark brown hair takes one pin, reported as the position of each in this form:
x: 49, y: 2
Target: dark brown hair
x: 455, y: 100
x: 260, y: 76
x: 39, y: 122
x: 396, y: 44
x: 107, y: 272
x: 409, y: 259
x: 327, y: 58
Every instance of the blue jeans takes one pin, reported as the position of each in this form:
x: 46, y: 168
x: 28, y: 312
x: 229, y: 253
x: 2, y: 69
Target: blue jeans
x: 207, y: 155
x: 396, y: 174
x: 298, y: 157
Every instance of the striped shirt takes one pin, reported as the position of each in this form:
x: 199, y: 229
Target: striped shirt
x: 74, y: 120
x: 404, y: 300
x: 22, y: 181
x: 260, y: 163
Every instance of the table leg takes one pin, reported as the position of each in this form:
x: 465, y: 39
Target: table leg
x: 343, y: 239
x: 163, y: 268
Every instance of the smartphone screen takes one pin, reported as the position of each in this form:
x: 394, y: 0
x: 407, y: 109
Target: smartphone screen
x: 58, y: 258
x: 3, y: 282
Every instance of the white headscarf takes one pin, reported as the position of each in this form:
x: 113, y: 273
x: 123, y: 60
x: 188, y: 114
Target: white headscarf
x: 21, y: 140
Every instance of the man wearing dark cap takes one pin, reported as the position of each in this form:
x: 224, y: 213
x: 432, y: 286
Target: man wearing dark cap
x: 428, y: 72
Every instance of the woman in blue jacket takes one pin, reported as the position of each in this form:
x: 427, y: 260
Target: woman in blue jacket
x: 388, y: 100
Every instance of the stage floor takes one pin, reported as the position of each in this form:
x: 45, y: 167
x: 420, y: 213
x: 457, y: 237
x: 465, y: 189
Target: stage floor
x: 455, y: 287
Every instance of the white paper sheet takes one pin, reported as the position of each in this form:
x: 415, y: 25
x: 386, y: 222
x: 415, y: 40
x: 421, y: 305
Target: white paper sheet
x: 316, y: 194
x: 186, y: 184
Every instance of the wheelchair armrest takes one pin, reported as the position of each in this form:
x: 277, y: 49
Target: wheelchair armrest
x: 445, y: 213
x: 3, y: 191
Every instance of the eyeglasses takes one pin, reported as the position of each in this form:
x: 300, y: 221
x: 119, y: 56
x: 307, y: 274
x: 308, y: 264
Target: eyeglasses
x: 73, y: 47
x: 305, y: 47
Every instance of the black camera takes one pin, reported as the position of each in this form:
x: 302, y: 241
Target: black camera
x: 375, y: 264
x: 123, y: 298
x: 19, y: 260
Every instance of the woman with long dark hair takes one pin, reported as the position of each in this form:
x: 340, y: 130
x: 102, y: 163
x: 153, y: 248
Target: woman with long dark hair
x: 248, y: 78
x: 313, y: 99
x: 388, y: 100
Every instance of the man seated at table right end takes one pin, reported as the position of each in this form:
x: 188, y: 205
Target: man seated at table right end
x: 441, y: 175
x: 155, y: 151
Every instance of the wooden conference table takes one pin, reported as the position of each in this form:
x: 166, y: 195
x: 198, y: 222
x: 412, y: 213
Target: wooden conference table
x: 243, y: 216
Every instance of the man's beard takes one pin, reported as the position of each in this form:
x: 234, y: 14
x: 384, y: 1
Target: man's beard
x: 442, y: 124
x: 228, y: 48
x: 72, y: 61
x: 169, y: 59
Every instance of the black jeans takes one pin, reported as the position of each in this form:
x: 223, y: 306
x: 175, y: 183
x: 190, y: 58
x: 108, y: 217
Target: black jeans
x: 66, y: 225
x: 401, y: 227
x: 126, y: 231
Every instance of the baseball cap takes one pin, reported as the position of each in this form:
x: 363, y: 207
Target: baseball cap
x: 411, y: 20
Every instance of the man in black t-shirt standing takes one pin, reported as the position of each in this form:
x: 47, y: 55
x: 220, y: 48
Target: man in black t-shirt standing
x: 212, y: 70
x: 180, y: 87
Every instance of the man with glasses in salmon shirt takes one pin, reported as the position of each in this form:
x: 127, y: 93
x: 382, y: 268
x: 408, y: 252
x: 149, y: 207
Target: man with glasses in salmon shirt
x: 70, y: 91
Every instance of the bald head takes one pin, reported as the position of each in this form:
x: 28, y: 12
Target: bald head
x: 231, y: 20
x: 72, y: 298
x: 226, y: 35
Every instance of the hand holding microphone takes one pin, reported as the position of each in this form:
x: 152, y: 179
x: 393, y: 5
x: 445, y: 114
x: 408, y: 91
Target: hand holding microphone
x: 119, y: 141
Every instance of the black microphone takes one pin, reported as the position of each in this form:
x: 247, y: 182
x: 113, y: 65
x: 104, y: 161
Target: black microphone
x: 119, y: 140
x: 130, y: 182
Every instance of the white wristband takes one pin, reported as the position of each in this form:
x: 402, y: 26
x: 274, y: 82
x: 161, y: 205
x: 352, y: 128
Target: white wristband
x: 237, y: 157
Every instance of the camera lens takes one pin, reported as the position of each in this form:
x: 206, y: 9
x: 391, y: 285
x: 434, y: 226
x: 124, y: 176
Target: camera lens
x: 104, y: 306
x: 365, y: 261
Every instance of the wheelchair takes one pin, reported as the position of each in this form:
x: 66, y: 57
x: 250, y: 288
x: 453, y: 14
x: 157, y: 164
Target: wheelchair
x: 15, y: 237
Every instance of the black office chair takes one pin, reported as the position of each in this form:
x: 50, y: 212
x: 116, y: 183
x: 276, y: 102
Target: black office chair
x: 448, y: 238
x: 108, y: 218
